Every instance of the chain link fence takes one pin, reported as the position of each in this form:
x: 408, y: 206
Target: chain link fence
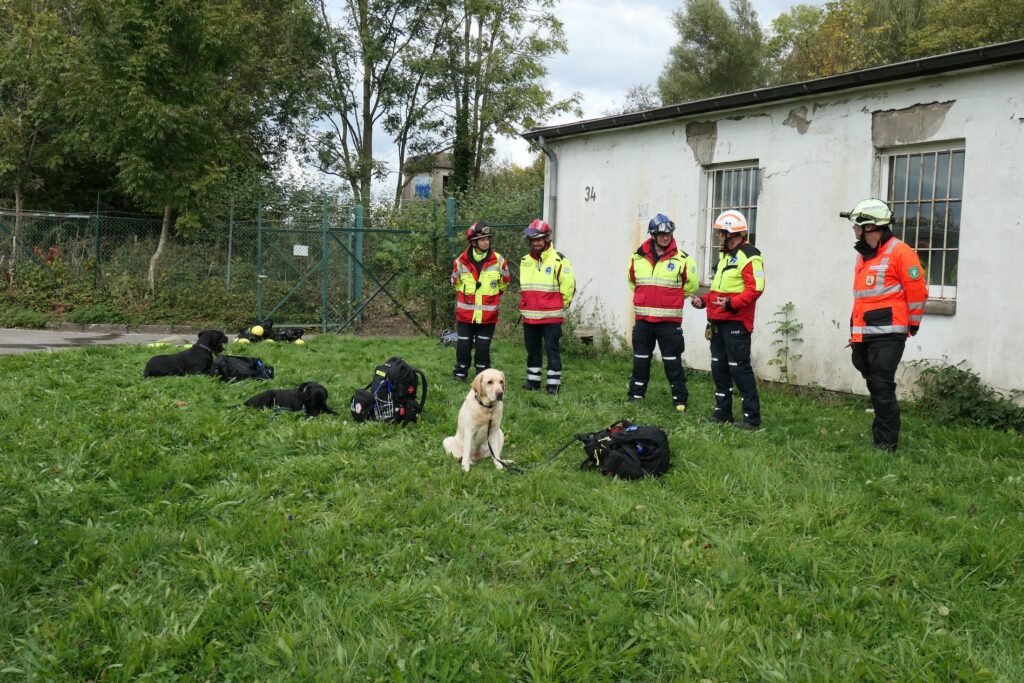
x: 328, y: 267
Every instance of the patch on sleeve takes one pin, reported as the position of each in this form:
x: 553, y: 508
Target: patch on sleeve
x: 914, y: 272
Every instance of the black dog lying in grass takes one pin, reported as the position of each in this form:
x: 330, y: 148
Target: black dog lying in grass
x: 197, y: 360
x: 309, y: 397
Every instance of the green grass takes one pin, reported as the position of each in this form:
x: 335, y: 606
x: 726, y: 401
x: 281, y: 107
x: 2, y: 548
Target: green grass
x: 150, y: 531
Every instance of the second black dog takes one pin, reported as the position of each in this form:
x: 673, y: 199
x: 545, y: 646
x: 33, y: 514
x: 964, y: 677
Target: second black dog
x: 309, y: 397
x: 193, y: 361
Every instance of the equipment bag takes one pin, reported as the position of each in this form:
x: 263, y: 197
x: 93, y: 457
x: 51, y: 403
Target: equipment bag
x: 392, y: 394
x: 627, y: 451
x: 237, y: 368
x: 266, y: 329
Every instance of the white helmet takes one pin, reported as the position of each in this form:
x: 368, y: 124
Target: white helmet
x: 870, y: 212
x: 731, y: 221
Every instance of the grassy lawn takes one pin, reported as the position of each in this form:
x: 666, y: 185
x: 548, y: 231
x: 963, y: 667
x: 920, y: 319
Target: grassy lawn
x: 150, y: 531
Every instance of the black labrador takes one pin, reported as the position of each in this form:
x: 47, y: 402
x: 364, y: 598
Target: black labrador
x: 193, y: 361
x: 309, y: 397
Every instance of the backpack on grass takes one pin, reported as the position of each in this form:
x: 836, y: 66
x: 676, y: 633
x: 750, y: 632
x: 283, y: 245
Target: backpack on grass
x: 627, y: 451
x: 237, y: 368
x: 392, y: 394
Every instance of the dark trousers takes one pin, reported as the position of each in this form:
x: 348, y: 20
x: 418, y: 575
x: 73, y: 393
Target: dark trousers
x: 669, y: 337
x: 877, y: 360
x: 730, y: 364
x: 546, y: 337
x: 472, y: 335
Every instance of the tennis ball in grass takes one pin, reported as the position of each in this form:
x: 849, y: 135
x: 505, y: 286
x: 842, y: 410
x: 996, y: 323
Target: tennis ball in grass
x: 257, y: 330
x: 156, y: 345
x: 299, y: 342
x: 242, y: 340
x: 268, y: 341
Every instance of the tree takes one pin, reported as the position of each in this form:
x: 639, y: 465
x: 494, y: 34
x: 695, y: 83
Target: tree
x: 716, y: 53
x: 497, y: 63
x: 962, y: 24
x: 637, y: 98
x: 177, y: 91
x: 381, y: 70
x: 35, y: 48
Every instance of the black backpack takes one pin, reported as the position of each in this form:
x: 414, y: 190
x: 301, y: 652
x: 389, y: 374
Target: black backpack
x: 392, y: 394
x: 237, y: 368
x: 627, y: 451
x: 268, y: 331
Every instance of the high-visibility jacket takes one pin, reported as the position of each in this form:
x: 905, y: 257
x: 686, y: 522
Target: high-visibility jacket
x: 739, y: 280
x: 889, y: 292
x: 548, y: 285
x: 478, y: 290
x: 661, y: 285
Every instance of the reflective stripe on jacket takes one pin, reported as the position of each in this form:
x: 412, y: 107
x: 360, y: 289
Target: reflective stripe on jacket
x: 889, y: 292
x: 661, y: 285
x: 548, y: 285
x: 739, y: 279
x: 477, y: 294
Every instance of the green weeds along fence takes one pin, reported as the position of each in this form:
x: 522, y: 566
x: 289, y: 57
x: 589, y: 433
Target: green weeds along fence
x: 328, y: 267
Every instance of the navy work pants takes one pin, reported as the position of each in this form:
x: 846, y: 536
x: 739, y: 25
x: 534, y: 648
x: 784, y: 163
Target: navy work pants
x: 730, y: 364
x: 877, y: 361
x: 669, y: 337
x: 472, y: 335
x: 538, y: 339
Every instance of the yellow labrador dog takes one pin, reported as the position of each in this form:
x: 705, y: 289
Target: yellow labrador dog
x: 479, y: 434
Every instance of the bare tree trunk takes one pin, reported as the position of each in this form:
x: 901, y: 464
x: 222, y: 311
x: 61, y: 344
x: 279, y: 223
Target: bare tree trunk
x: 18, y: 199
x: 165, y: 231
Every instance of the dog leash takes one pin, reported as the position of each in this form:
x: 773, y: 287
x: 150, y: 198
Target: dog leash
x: 511, y: 467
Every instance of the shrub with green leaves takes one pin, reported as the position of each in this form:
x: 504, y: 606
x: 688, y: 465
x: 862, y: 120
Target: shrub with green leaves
x: 954, y: 393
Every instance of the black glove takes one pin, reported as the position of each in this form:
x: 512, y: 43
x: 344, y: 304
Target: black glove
x: 914, y: 329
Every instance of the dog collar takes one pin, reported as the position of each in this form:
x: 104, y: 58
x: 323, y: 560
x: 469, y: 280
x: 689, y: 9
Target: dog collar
x: 203, y: 347
x: 482, y: 404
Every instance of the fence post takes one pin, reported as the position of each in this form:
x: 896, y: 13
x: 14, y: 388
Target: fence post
x: 359, y: 252
x: 259, y: 262
x: 449, y: 216
x: 540, y: 213
x: 231, y: 238
x: 325, y: 268
x: 349, y: 222
x: 96, y: 245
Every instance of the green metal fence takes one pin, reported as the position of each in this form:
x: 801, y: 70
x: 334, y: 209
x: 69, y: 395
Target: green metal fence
x: 329, y: 267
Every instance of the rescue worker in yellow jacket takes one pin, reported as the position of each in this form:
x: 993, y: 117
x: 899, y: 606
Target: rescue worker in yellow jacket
x: 548, y: 284
x: 479, y: 276
x: 889, y: 293
x: 737, y: 285
x: 660, y: 276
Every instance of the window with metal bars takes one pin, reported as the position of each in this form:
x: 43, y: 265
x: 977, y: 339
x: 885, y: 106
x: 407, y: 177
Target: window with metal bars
x: 735, y: 186
x: 925, y: 191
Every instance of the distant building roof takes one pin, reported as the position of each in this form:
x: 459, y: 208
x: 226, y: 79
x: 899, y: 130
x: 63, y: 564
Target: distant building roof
x: 928, y: 66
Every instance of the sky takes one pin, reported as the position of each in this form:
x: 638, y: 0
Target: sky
x: 613, y: 45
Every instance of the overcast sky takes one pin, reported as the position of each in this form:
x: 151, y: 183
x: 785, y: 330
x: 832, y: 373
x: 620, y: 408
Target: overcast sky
x: 613, y: 45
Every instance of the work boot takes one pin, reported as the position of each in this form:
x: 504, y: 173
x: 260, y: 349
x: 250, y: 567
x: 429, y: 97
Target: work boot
x: 531, y: 386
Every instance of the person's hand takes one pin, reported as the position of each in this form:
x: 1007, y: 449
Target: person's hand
x: 697, y: 302
x: 721, y: 301
x: 914, y: 329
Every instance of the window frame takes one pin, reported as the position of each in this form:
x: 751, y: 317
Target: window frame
x: 886, y: 159
x: 710, y: 210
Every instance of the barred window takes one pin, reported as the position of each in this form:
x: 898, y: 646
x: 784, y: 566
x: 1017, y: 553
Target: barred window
x: 735, y: 186
x: 925, y: 191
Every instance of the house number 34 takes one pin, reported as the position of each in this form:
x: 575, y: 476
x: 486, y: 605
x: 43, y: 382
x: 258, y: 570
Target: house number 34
x: 589, y: 193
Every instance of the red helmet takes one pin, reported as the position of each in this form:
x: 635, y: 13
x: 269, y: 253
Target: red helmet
x: 537, y: 228
x: 478, y: 231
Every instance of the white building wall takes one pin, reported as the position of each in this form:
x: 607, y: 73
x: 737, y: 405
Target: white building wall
x: 807, y: 178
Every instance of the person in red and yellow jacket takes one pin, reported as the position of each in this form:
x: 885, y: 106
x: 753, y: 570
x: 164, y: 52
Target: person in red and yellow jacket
x: 889, y: 293
x: 735, y: 289
x: 548, y: 284
x: 479, y: 277
x: 660, y: 275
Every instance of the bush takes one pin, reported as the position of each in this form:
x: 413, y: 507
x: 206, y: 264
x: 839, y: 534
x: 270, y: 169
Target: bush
x: 952, y: 393
x: 98, y: 313
x: 21, y: 317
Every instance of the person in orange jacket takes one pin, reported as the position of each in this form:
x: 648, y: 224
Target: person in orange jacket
x: 889, y: 293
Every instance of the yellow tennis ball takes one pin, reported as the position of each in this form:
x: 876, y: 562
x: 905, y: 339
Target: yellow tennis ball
x: 257, y: 330
x: 299, y: 342
x: 242, y: 340
x: 268, y: 341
